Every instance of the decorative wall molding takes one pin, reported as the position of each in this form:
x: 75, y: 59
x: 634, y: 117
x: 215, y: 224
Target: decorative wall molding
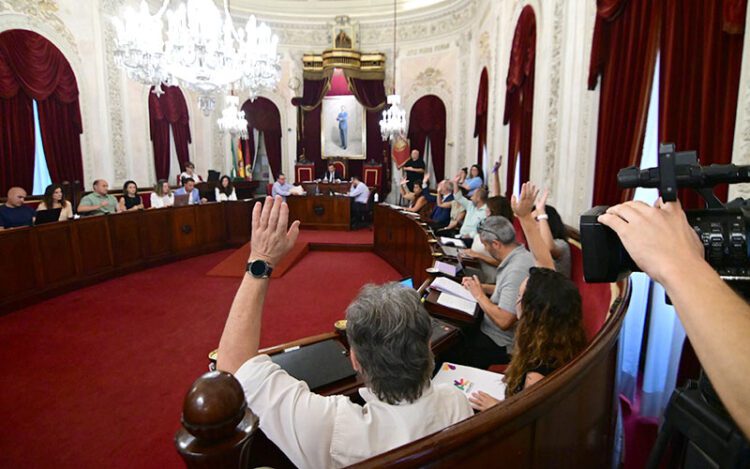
x: 114, y: 87
x: 551, y: 146
x: 43, y: 10
x: 460, y: 150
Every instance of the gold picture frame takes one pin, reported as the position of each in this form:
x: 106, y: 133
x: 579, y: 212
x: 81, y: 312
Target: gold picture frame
x: 353, y: 146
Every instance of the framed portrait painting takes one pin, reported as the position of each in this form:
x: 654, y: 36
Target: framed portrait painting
x: 342, y: 128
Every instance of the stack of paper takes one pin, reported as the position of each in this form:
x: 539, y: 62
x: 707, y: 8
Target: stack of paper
x: 447, y: 268
x: 453, y: 295
x: 470, y: 380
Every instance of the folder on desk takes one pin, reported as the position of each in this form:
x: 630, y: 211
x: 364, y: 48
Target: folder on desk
x: 318, y: 364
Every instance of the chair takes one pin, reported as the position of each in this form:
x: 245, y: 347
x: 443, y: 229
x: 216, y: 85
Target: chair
x: 341, y: 168
x: 269, y: 188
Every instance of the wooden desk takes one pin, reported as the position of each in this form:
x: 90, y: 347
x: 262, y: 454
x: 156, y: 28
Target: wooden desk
x: 321, y: 212
x: 324, y: 187
x: 243, y: 189
x: 46, y: 260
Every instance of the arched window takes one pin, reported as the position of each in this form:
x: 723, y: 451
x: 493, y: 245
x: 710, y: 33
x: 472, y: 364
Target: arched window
x: 519, y: 99
x: 264, y: 126
x: 427, y: 132
x: 169, y: 123
x: 33, y: 69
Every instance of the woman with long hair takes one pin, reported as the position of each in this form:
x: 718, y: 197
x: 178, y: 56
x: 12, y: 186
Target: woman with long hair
x: 130, y: 199
x: 53, y: 198
x: 550, y: 326
x: 474, y: 181
x: 225, y: 191
x: 162, y: 195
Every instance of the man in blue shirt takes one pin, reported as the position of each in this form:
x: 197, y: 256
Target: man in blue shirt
x: 188, y: 187
x: 441, y: 214
x: 14, y: 213
x: 281, y: 187
x: 343, y: 118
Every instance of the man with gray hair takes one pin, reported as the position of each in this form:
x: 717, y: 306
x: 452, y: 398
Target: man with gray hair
x: 493, y: 342
x: 389, y: 334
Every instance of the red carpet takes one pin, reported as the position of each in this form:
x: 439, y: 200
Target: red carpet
x: 236, y: 264
x: 96, y: 378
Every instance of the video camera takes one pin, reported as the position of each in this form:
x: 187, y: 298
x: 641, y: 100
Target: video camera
x: 723, y: 229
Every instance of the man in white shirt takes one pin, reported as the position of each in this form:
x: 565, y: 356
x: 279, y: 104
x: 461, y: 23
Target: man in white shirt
x: 281, y: 187
x: 361, y: 194
x: 383, y: 323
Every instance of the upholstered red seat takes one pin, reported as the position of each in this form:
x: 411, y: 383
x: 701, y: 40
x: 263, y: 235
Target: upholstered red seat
x: 269, y: 188
x: 519, y: 231
x: 146, y: 198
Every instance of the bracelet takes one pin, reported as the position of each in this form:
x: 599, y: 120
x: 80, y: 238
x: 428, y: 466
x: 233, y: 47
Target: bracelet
x: 541, y: 217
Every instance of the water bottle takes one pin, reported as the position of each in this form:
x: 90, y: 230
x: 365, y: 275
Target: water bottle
x: 376, y: 197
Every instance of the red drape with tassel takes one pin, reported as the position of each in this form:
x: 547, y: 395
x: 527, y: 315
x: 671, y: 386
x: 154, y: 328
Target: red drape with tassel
x: 427, y: 120
x: 701, y: 57
x: 623, y: 54
x: 31, y: 67
x: 263, y: 115
x: 480, y: 119
x: 169, y: 109
x: 519, y: 97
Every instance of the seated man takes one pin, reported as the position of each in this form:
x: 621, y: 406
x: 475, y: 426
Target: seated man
x: 188, y: 187
x: 361, y: 194
x: 14, y: 213
x: 476, y: 211
x: 441, y: 214
x: 98, y: 202
x: 492, y: 343
x: 331, y: 174
x: 281, y: 187
x: 389, y: 333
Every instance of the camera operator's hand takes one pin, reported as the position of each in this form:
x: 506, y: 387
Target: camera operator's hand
x: 524, y: 205
x: 659, y: 239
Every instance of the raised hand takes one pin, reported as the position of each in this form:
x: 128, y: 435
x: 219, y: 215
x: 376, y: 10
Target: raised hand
x: 497, y: 164
x: 523, y: 206
x: 404, y: 181
x: 271, y: 240
x: 426, y: 178
x: 541, y: 202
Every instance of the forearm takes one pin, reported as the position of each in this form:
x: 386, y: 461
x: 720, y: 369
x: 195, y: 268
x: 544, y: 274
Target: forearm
x: 484, y: 257
x: 88, y: 208
x: 717, y: 321
x: 241, y: 337
x: 546, y: 234
x: 496, y: 180
x: 499, y: 316
x: 536, y: 244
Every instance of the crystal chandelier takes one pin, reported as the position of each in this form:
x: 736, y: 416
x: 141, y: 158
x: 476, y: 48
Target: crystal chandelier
x: 203, y: 51
x: 393, y: 123
x: 233, y: 120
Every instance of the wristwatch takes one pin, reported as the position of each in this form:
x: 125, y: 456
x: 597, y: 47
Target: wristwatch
x: 259, y: 268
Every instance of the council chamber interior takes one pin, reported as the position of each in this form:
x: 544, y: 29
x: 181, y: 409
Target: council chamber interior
x: 437, y: 154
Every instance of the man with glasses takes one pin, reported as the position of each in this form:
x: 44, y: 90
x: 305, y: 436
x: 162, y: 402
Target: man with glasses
x: 493, y: 342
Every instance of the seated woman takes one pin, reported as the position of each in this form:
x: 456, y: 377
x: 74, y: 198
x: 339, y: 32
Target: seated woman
x: 474, y: 181
x: 189, y: 173
x: 554, y: 234
x: 417, y: 200
x: 550, y: 327
x: 53, y: 198
x: 130, y: 199
x: 225, y: 191
x: 162, y: 195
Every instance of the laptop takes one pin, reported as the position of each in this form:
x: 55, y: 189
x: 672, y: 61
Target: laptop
x: 47, y: 216
x: 181, y: 200
x: 408, y: 282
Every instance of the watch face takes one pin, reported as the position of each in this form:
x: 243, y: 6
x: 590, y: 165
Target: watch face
x: 258, y: 268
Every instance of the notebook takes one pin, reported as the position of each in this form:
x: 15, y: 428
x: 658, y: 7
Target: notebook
x: 318, y: 364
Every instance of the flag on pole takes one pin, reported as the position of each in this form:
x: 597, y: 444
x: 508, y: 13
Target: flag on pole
x: 234, y: 161
x: 240, y: 163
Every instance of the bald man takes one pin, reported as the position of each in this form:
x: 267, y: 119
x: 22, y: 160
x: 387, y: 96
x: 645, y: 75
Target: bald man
x: 15, y: 213
x: 99, y: 201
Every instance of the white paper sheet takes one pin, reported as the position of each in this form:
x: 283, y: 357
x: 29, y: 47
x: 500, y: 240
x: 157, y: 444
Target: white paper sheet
x: 452, y: 242
x: 460, y: 304
x: 443, y: 284
x: 469, y: 380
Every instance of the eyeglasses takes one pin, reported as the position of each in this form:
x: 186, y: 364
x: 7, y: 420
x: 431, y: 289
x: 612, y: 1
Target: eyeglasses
x: 482, y: 229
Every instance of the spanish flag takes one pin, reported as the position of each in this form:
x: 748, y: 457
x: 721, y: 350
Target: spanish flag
x: 240, y: 163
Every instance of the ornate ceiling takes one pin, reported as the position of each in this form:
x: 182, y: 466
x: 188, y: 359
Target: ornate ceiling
x: 362, y: 10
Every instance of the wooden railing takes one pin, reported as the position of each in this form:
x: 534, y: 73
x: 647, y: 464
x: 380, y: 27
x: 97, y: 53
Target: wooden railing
x: 566, y: 420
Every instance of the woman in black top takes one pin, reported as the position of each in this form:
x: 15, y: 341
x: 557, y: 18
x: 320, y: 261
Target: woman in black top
x: 130, y: 199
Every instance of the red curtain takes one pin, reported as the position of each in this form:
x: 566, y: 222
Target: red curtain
x: 169, y: 109
x: 371, y: 95
x: 32, y: 66
x: 313, y: 92
x: 427, y: 120
x: 263, y: 115
x: 624, y: 54
x: 519, y: 96
x: 701, y: 57
x: 480, y: 119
